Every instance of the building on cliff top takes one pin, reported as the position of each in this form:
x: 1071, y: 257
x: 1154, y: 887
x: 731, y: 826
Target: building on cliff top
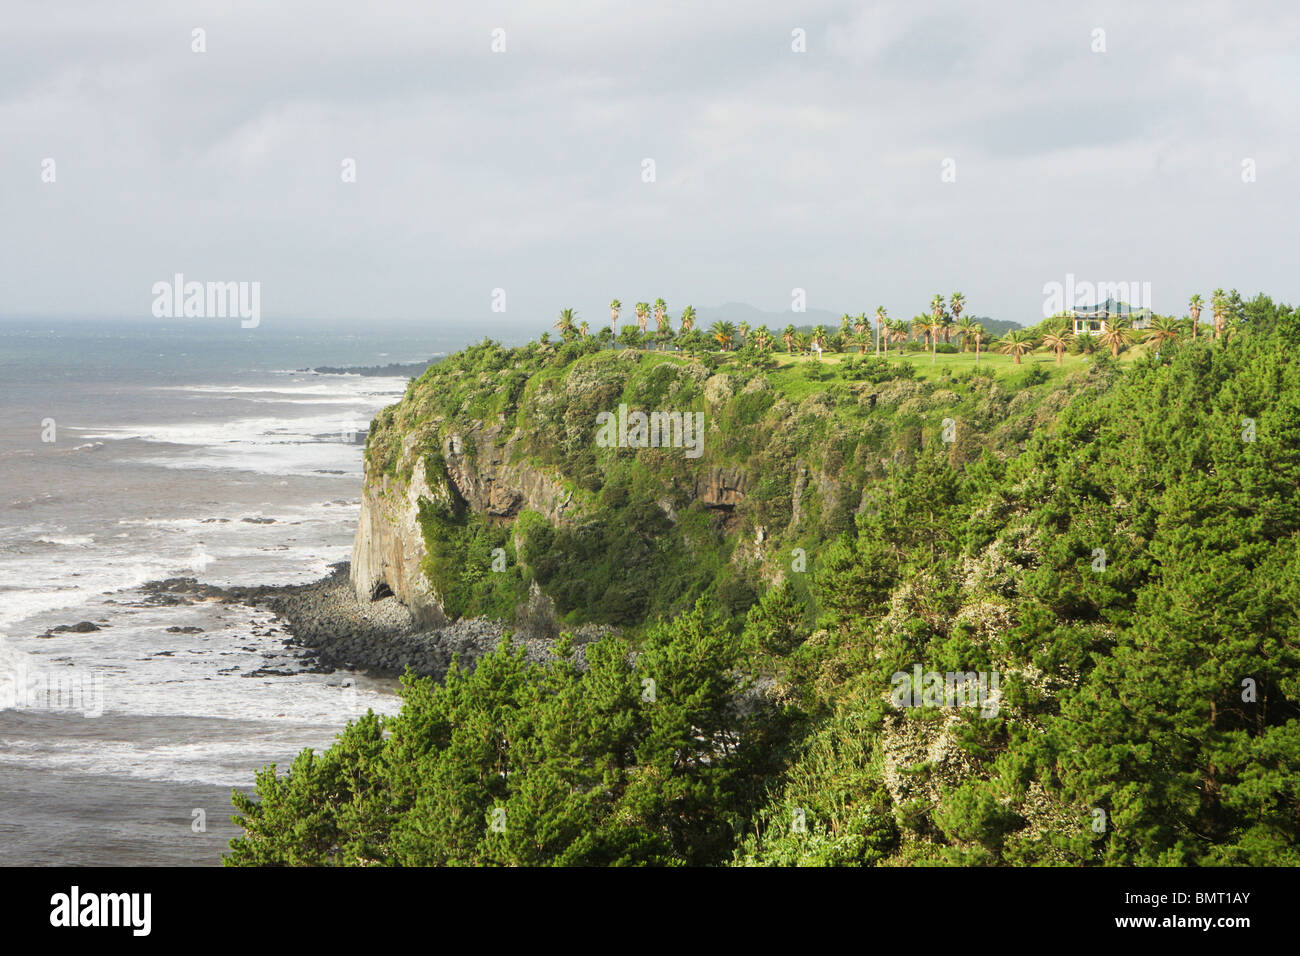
x: 1094, y: 319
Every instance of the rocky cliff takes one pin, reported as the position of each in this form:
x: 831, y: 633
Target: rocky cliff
x: 389, y: 548
x: 498, y: 450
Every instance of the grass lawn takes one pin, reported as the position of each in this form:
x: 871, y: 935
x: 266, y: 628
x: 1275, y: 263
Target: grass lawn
x: 928, y: 367
x: 789, y: 377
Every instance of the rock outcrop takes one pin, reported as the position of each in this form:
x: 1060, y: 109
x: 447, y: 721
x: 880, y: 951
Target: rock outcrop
x: 388, y: 549
x: 475, y: 472
x: 496, y: 480
x: 721, y: 487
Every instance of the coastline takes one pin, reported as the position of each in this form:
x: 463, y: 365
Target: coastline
x: 380, y: 638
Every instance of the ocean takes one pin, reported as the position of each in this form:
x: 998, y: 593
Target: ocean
x: 132, y: 452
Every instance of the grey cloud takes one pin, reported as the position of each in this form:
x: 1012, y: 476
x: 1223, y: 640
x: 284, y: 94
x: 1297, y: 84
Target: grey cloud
x: 522, y: 170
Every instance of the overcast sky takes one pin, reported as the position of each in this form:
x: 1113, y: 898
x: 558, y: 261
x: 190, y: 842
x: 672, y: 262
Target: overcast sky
x: 523, y: 170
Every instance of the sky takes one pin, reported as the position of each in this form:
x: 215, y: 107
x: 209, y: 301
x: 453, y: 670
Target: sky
x: 910, y: 149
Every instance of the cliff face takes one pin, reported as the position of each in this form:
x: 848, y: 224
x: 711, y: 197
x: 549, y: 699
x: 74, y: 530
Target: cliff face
x: 496, y: 480
x: 788, y: 457
x: 721, y: 487
x: 389, y: 547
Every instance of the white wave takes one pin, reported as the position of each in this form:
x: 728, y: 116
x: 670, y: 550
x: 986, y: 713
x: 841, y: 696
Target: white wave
x: 247, y: 431
x: 310, y: 444
x: 24, y: 600
x: 334, y: 511
x: 341, y: 386
x: 68, y: 540
x: 220, y: 763
x: 199, y: 559
x: 303, y: 401
x: 198, y: 673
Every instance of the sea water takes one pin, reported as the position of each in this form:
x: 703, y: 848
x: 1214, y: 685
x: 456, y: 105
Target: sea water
x: 132, y: 452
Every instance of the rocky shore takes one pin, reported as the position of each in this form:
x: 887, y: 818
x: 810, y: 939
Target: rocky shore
x: 393, y: 369
x: 381, y: 636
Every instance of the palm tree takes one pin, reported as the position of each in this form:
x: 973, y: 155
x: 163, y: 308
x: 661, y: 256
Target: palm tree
x: 882, y: 320
x: 965, y: 328
x: 583, y: 328
x: 664, y: 328
x: 1058, y: 340
x: 688, y: 317
x: 1194, y: 310
x: 801, y: 340
x: 1219, y: 303
x: 1086, y: 343
x: 642, y: 313
x: 762, y: 338
x: 902, y: 331
x: 723, y: 332
x: 895, y: 331
x: 1117, y: 336
x: 818, y: 337
x: 1163, y: 329
x: 921, y: 326
x: 743, y: 329
x: 1064, y: 321
x: 615, y: 307
x: 661, y: 308
x: 788, y: 336
x: 947, y: 327
x: 957, y: 302
x: 978, y: 332
x: 860, y: 326
x: 937, y: 310
x: 564, y: 324
x: 935, y: 328
x: 1017, y: 343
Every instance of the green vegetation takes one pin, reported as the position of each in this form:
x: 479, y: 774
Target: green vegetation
x: 646, y: 540
x: 1116, y: 535
x: 459, y: 561
x: 519, y: 765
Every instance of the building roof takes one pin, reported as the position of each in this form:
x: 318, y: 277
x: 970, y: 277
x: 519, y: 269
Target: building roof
x: 1109, y: 307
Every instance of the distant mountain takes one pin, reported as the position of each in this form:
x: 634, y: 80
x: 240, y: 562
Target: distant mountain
x: 997, y: 326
